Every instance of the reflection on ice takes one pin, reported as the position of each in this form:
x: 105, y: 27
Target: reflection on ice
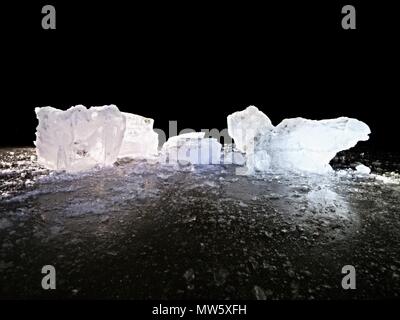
x: 150, y: 187
x: 326, y: 201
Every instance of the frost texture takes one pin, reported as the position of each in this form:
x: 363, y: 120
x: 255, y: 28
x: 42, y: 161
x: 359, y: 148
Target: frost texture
x: 191, y: 148
x: 140, y: 140
x: 294, y: 144
x: 79, y: 138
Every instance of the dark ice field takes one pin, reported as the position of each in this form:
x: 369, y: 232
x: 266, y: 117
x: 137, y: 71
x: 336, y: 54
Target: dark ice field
x: 143, y: 230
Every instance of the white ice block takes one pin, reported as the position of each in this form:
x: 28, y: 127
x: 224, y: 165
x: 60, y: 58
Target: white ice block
x: 362, y: 169
x: 79, y: 138
x: 191, y: 148
x: 140, y: 140
x: 296, y: 144
x: 244, y: 125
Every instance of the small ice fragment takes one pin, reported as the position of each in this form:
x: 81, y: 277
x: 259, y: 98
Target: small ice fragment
x: 388, y: 179
x: 362, y: 169
x: 189, y: 275
x: 78, y: 138
x: 343, y: 173
x: 259, y: 293
x: 5, y: 223
x: 140, y: 140
x: 191, y: 148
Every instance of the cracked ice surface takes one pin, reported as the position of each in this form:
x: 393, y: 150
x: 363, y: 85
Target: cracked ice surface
x: 294, y: 144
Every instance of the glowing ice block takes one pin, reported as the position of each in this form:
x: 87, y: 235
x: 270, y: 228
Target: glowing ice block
x: 79, y: 138
x: 296, y: 144
x: 191, y: 148
x: 140, y: 140
x: 244, y: 125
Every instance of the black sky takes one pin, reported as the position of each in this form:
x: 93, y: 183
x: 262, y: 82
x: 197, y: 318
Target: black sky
x: 197, y: 62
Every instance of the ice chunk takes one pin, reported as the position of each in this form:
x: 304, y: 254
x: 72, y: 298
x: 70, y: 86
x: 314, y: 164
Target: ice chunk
x: 244, y: 125
x: 191, y: 148
x: 296, y: 144
x: 362, y: 169
x: 309, y: 145
x: 78, y: 138
x: 140, y: 140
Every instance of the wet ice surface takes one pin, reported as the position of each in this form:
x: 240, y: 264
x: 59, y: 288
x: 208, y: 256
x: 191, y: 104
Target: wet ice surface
x: 141, y: 230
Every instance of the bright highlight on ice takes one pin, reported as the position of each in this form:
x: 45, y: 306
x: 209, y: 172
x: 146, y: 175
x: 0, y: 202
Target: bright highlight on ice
x: 80, y: 138
x: 294, y: 144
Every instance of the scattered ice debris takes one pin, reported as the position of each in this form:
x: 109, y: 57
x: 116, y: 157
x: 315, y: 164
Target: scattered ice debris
x: 391, y: 178
x: 294, y: 144
x: 262, y: 220
x: 5, y: 223
x: 5, y: 265
x: 326, y: 201
x: 191, y: 148
x: 344, y: 173
x: 140, y: 140
x: 189, y: 275
x: 362, y: 169
x: 79, y: 138
x: 259, y: 293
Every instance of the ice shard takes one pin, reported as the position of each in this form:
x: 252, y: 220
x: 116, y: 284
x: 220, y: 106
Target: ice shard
x: 191, y: 148
x: 79, y: 138
x: 140, y: 140
x: 298, y: 143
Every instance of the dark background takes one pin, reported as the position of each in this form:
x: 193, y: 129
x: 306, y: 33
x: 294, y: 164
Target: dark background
x: 196, y: 62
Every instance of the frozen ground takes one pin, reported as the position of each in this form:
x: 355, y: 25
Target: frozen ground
x: 141, y: 230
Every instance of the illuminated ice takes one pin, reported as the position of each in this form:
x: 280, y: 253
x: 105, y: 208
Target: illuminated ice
x: 362, y: 169
x: 244, y: 125
x: 79, y: 138
x: 234, y: 157
x: 140, y: 140
x: 191, y: 148
x: 295, y: 144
